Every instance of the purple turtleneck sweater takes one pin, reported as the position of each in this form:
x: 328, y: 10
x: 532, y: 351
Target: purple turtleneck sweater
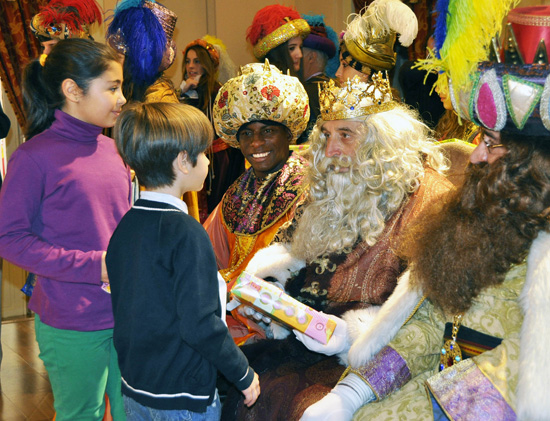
x: 65, y: 191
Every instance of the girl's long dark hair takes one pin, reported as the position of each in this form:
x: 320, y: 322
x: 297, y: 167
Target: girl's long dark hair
x: 280, y: 58
x: 81, y: 60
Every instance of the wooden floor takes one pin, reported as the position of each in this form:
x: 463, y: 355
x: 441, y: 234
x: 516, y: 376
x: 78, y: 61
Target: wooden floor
x: 26, y: 391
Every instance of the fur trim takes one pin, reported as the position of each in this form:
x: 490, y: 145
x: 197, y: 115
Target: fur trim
x: 358, y: 322
x: 275, y: 261
x: 391, y: 317
x: 276, y: 330
x: 534, y: 369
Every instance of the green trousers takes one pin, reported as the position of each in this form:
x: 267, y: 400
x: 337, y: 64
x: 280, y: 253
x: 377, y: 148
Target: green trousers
x: 82, y: 367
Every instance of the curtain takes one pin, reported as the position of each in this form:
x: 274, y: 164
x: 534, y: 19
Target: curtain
x: 17, y: 47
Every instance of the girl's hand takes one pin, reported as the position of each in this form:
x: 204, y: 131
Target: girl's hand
x: 190, y: 83
x: 104, y: 275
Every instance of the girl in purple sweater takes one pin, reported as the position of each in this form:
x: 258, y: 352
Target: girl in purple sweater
x: 65, y: 190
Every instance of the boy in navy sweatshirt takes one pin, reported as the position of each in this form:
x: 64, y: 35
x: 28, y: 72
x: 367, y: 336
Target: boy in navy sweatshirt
x: 168, y: 299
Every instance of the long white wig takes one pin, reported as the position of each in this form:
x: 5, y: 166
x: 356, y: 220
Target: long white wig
x: 392, y: 151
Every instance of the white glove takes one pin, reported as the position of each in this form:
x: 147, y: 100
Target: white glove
x: 337, y: 343
x: 273, y: 330
x: 252, y: 313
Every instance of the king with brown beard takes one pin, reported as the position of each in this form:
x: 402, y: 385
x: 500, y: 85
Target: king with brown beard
x: 492, y: 221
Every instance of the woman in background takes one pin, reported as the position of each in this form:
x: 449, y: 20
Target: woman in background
x: 277, y: 33
x: 448, y: 126
x: 206, y: 65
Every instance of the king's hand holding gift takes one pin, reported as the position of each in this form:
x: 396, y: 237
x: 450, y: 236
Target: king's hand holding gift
x: 274, y: 302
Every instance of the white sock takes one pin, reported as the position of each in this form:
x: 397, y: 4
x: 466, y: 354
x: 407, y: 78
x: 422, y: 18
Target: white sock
x: 341, y: 403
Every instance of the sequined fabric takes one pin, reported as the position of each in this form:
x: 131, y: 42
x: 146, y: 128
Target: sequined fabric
x: 260, y: 92
x: 464, y: 393
x: 252, y: 204
x: 294, y: 28
x: 386, y: 372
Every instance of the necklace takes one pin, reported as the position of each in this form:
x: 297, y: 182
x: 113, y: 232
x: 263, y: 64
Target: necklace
x: 451, y: 352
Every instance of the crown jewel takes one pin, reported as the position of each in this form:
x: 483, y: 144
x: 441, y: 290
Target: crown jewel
x: 355, y: 98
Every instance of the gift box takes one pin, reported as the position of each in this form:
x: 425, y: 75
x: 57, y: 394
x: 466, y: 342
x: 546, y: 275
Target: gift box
x: 274, y: 302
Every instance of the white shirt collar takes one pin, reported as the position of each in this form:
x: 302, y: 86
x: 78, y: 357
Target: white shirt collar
x: 164, y: 198
x: 313, y: 75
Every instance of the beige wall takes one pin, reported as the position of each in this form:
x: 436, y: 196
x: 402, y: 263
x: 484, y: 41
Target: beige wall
x: 228, y: 20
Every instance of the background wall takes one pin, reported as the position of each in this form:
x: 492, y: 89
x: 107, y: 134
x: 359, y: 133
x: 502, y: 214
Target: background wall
x: 228, y: 20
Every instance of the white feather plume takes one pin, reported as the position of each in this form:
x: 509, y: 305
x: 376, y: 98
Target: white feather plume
x: 383, y: 16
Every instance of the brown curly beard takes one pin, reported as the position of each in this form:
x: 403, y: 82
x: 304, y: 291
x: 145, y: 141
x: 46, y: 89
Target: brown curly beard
x: 485, y: 227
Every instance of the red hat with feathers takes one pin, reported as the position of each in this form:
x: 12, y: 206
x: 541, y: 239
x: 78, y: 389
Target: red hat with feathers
x: 272, y: 26
x: 62, y: 19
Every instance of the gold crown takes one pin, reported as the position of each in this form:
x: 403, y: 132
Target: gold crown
x: 355, y: 98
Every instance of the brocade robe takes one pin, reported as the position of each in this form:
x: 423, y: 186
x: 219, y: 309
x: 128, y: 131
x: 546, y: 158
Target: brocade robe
x: 247, y: 219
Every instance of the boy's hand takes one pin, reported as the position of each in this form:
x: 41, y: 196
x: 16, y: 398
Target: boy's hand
x: 253, y: 391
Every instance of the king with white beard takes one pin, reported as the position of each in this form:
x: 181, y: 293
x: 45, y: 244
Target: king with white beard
x: 373, y: 171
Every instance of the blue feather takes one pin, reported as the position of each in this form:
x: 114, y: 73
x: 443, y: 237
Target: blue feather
x: 440, y: 33
x: 314, y: 20
x: 145, y: 41
x: 126, y: 4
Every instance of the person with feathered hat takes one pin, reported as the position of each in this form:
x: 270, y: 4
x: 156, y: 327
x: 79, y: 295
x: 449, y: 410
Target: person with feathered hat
x: 145, y: 25
x: 277, y: 33
x: 138, y: 26
x: 63, y: 19
x: 319, y: 62
x: 367, y: 44
x: 465, y: 337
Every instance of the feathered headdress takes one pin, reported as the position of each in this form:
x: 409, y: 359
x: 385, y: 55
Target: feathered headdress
x: 463, y: 32
x: 142, y: 31
x: 61, y: 19
x: 370, y: 36
x: 272, y: 26
x: 504, y: 97
x: 322, y: 37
